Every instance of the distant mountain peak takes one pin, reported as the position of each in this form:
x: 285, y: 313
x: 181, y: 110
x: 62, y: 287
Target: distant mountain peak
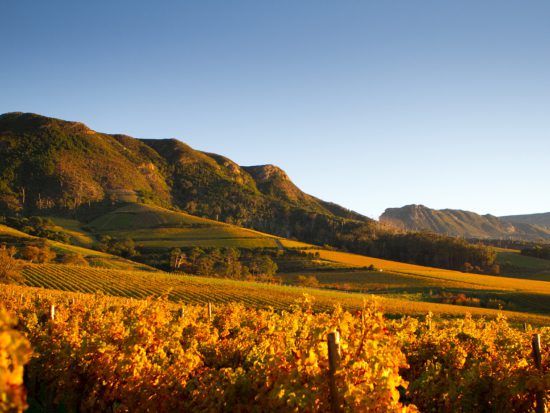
x: 456, y: 222
x: 273, y: 181
x: 264, y: 173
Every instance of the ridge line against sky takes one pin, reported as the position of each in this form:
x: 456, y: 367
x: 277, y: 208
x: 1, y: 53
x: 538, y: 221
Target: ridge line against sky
x: 366, y: 104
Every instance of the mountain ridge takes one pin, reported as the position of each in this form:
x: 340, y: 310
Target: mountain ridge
x: 539, y: 219
x: 456, y: 222
x: 66, y: 167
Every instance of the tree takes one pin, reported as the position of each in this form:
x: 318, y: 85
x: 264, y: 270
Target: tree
x: 229, y: 265
x: 467, y: 267
x: 10, y: 267
x: 495, y: 269
x: 205, y: 265
x: 125, y: 247
x: 263, y: 265
x: 307, y: 281
x: 38, y: 253
x: 194, y: 255
x: 71, y: 258
x: 177, y: 259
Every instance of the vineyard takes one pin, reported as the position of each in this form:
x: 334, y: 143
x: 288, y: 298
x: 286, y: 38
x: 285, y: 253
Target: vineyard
x: 96, y: 353
x: 199, y: 290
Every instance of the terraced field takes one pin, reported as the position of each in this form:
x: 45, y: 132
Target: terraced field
x: 196, y: 290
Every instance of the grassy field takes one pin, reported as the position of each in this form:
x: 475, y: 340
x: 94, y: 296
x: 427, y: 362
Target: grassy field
x: 156, y: 227
x: 95, y: 258
x: 74, y: 230
x: 420, y: 283
x: 364, y: 280
x: 197, y: 290
x: 516, y: 265
x: 447, y: 277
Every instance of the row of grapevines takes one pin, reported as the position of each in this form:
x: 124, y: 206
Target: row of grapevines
x: 112, y: 354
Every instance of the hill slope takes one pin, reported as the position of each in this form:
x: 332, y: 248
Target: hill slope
x: 541, y: 220
x: 460, y: 223
x: 64, y: 169
x: 11, y: 236
x: 156, y: 227
x: 55, y: 167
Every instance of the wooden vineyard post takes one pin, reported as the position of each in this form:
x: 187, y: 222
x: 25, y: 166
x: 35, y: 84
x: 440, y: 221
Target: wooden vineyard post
x: 535, y: 342
x: 333, y: 341
x: 182, y: 312
x: 209, y: 311
x: 52, y: 312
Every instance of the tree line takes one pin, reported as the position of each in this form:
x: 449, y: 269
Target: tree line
x: 224, y: 262
x: 537, y: 251
x: 13, y: 259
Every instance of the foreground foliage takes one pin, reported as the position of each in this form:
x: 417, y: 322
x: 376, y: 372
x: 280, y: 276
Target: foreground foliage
x: 14, y: 354
x: 111, y: 354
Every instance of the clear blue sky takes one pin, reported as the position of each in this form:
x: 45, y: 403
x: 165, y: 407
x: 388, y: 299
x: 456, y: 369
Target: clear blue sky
x: 371, y: 104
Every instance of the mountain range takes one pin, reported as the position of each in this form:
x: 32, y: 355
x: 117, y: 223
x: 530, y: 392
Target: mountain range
x: 458, y: 223
x: 56, y: 167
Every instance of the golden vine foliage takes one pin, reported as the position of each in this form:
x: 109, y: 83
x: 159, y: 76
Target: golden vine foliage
x: 110, y: 354
x: 14, y: 354
x: 473, y: 365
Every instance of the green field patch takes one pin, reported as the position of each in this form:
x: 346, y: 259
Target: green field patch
x: 155, y: 227
x: 210, y: 242
x: 74, y: 230
x: 522, y: 266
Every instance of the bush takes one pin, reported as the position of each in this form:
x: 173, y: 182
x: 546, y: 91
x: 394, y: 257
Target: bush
x: 74, y: 259
x: 38, y: 253
x: 10, y: 267
x: 125, y: 247
x: 307, y: 281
